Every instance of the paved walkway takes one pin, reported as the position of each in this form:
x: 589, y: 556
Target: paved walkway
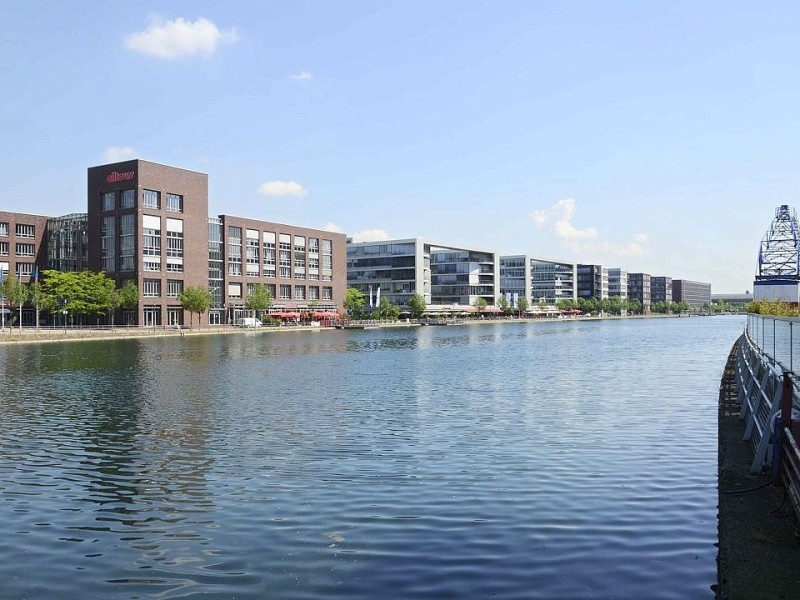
x: 759, y: 553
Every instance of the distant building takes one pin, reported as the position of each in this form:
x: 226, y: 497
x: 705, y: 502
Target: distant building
x: 593, y: 281
x: 639, y: 288
x: 695, y: 293
x: 303, y: 268
x: 442, y: 274
x: 538, y: 279
x: 660, y: 289
x: 618, y: 283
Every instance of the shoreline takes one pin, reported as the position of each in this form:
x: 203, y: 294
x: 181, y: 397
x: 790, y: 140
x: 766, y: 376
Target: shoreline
x: 29, y: 335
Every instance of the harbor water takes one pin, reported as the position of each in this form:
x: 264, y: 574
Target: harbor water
x: 553, y: 460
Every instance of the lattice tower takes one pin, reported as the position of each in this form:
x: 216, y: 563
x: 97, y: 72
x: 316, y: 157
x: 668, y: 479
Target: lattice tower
x: 779, y: 255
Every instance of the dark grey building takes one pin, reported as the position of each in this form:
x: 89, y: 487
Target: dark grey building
x: 695, y: 293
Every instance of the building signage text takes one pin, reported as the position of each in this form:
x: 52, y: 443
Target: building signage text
x: 116, y: 176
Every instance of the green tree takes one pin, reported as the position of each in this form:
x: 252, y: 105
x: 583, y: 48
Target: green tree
x: 354, y: 301
x: 504, y: 304
x: 635, y: 306
x: 195, y: 300
x: 388, y: 309
x: 127, y: 297
x: 615, y: 305
x: 522, y: 305
x: 16, y: 294
x: 480, y: 303
x: 98, y: 293
x: 417, y: 305
x: 259, y: 300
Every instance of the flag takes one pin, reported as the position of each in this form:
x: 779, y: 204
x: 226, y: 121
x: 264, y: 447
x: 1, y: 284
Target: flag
x: 378, y: 297
x: 36, y: 274
x: 370, y: 296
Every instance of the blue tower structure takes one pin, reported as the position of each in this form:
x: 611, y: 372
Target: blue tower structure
x: 778, y: 274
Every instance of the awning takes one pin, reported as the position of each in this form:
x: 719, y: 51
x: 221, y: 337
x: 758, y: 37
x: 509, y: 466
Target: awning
x: 326, y: 315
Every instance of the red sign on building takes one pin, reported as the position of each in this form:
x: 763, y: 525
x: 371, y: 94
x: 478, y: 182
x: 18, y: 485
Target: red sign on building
x: 116, y: 176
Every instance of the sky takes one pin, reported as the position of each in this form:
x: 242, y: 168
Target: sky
x: 653, y: 136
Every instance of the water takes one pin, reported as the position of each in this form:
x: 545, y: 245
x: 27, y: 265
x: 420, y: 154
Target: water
x: 532, y: 460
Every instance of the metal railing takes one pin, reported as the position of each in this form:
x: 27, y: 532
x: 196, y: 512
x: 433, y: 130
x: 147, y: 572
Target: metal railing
x: 775, y: 336
x: 770, y: 399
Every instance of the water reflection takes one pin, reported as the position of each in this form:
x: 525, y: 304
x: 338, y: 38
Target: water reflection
x: 438, y: 462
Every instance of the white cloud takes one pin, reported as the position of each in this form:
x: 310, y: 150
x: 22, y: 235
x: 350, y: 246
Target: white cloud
x: 301, y: 75
x: 333, y: 227
x: 114, y: 154
x: 587, y: 240
x: 370, y: 235
x: 539, y: 217
x: 179, y: 38
x: 282, y: 189
x: 560, y: 215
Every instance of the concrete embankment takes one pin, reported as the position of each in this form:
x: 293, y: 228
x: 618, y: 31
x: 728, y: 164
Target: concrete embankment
x: 759, y: 554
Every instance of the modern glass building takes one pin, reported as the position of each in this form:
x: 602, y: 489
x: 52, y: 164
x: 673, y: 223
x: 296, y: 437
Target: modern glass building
x: 440, y: 273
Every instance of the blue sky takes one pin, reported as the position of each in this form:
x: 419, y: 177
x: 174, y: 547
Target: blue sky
x: 656, y: 137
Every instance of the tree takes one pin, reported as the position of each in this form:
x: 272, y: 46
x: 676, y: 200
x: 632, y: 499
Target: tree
x: 504, y: 304
x: 522, y: 305
x: 388, y: 309
x: 259, y: 300
x: 635, y: 306
x: 127, y: 297
x: 615, y: 305
x: 480, y: 303
x: 354, y: 301
x: 417, y: 305
x: 15, y: 293
x: 98, y: 291
x: 195, y: 300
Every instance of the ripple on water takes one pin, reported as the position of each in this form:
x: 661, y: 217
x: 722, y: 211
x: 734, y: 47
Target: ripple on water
x: 516, y: 461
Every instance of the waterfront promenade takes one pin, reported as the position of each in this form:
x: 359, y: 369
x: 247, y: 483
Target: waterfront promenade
x: 759, y: 555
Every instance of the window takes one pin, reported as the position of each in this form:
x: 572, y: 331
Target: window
x: 25, y: 231
x: 327, y: 293
x: 151, y: 288
x: 285, y: 242
x: 23, y: 249
x: 108, y: 253
x: 151, y: 265
x: 299, y: 292
x: 151, y: 199
x: 127, y: 199
x: 235, y: 290
x: 313, y: 292
x: 151, y: 236
x: 24, y: 270
x: 174, y: 244
x: 107, y: 201
x: 4, y: 229
x: 252, y: 249
x: 174, y: 288
x: 174, y: 203
x: 313, y: 245
x: 174, y: 268
x: 234, y: 268
x: 3, y: 248
x: 127, y: 250
x: 286, y: 292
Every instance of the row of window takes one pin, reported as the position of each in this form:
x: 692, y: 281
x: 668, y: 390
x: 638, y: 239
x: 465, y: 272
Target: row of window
x: 150, y: 199
x: 19, y: 249
x: 22, y: 269
x: 286, y: 292
x: 23, y: 230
